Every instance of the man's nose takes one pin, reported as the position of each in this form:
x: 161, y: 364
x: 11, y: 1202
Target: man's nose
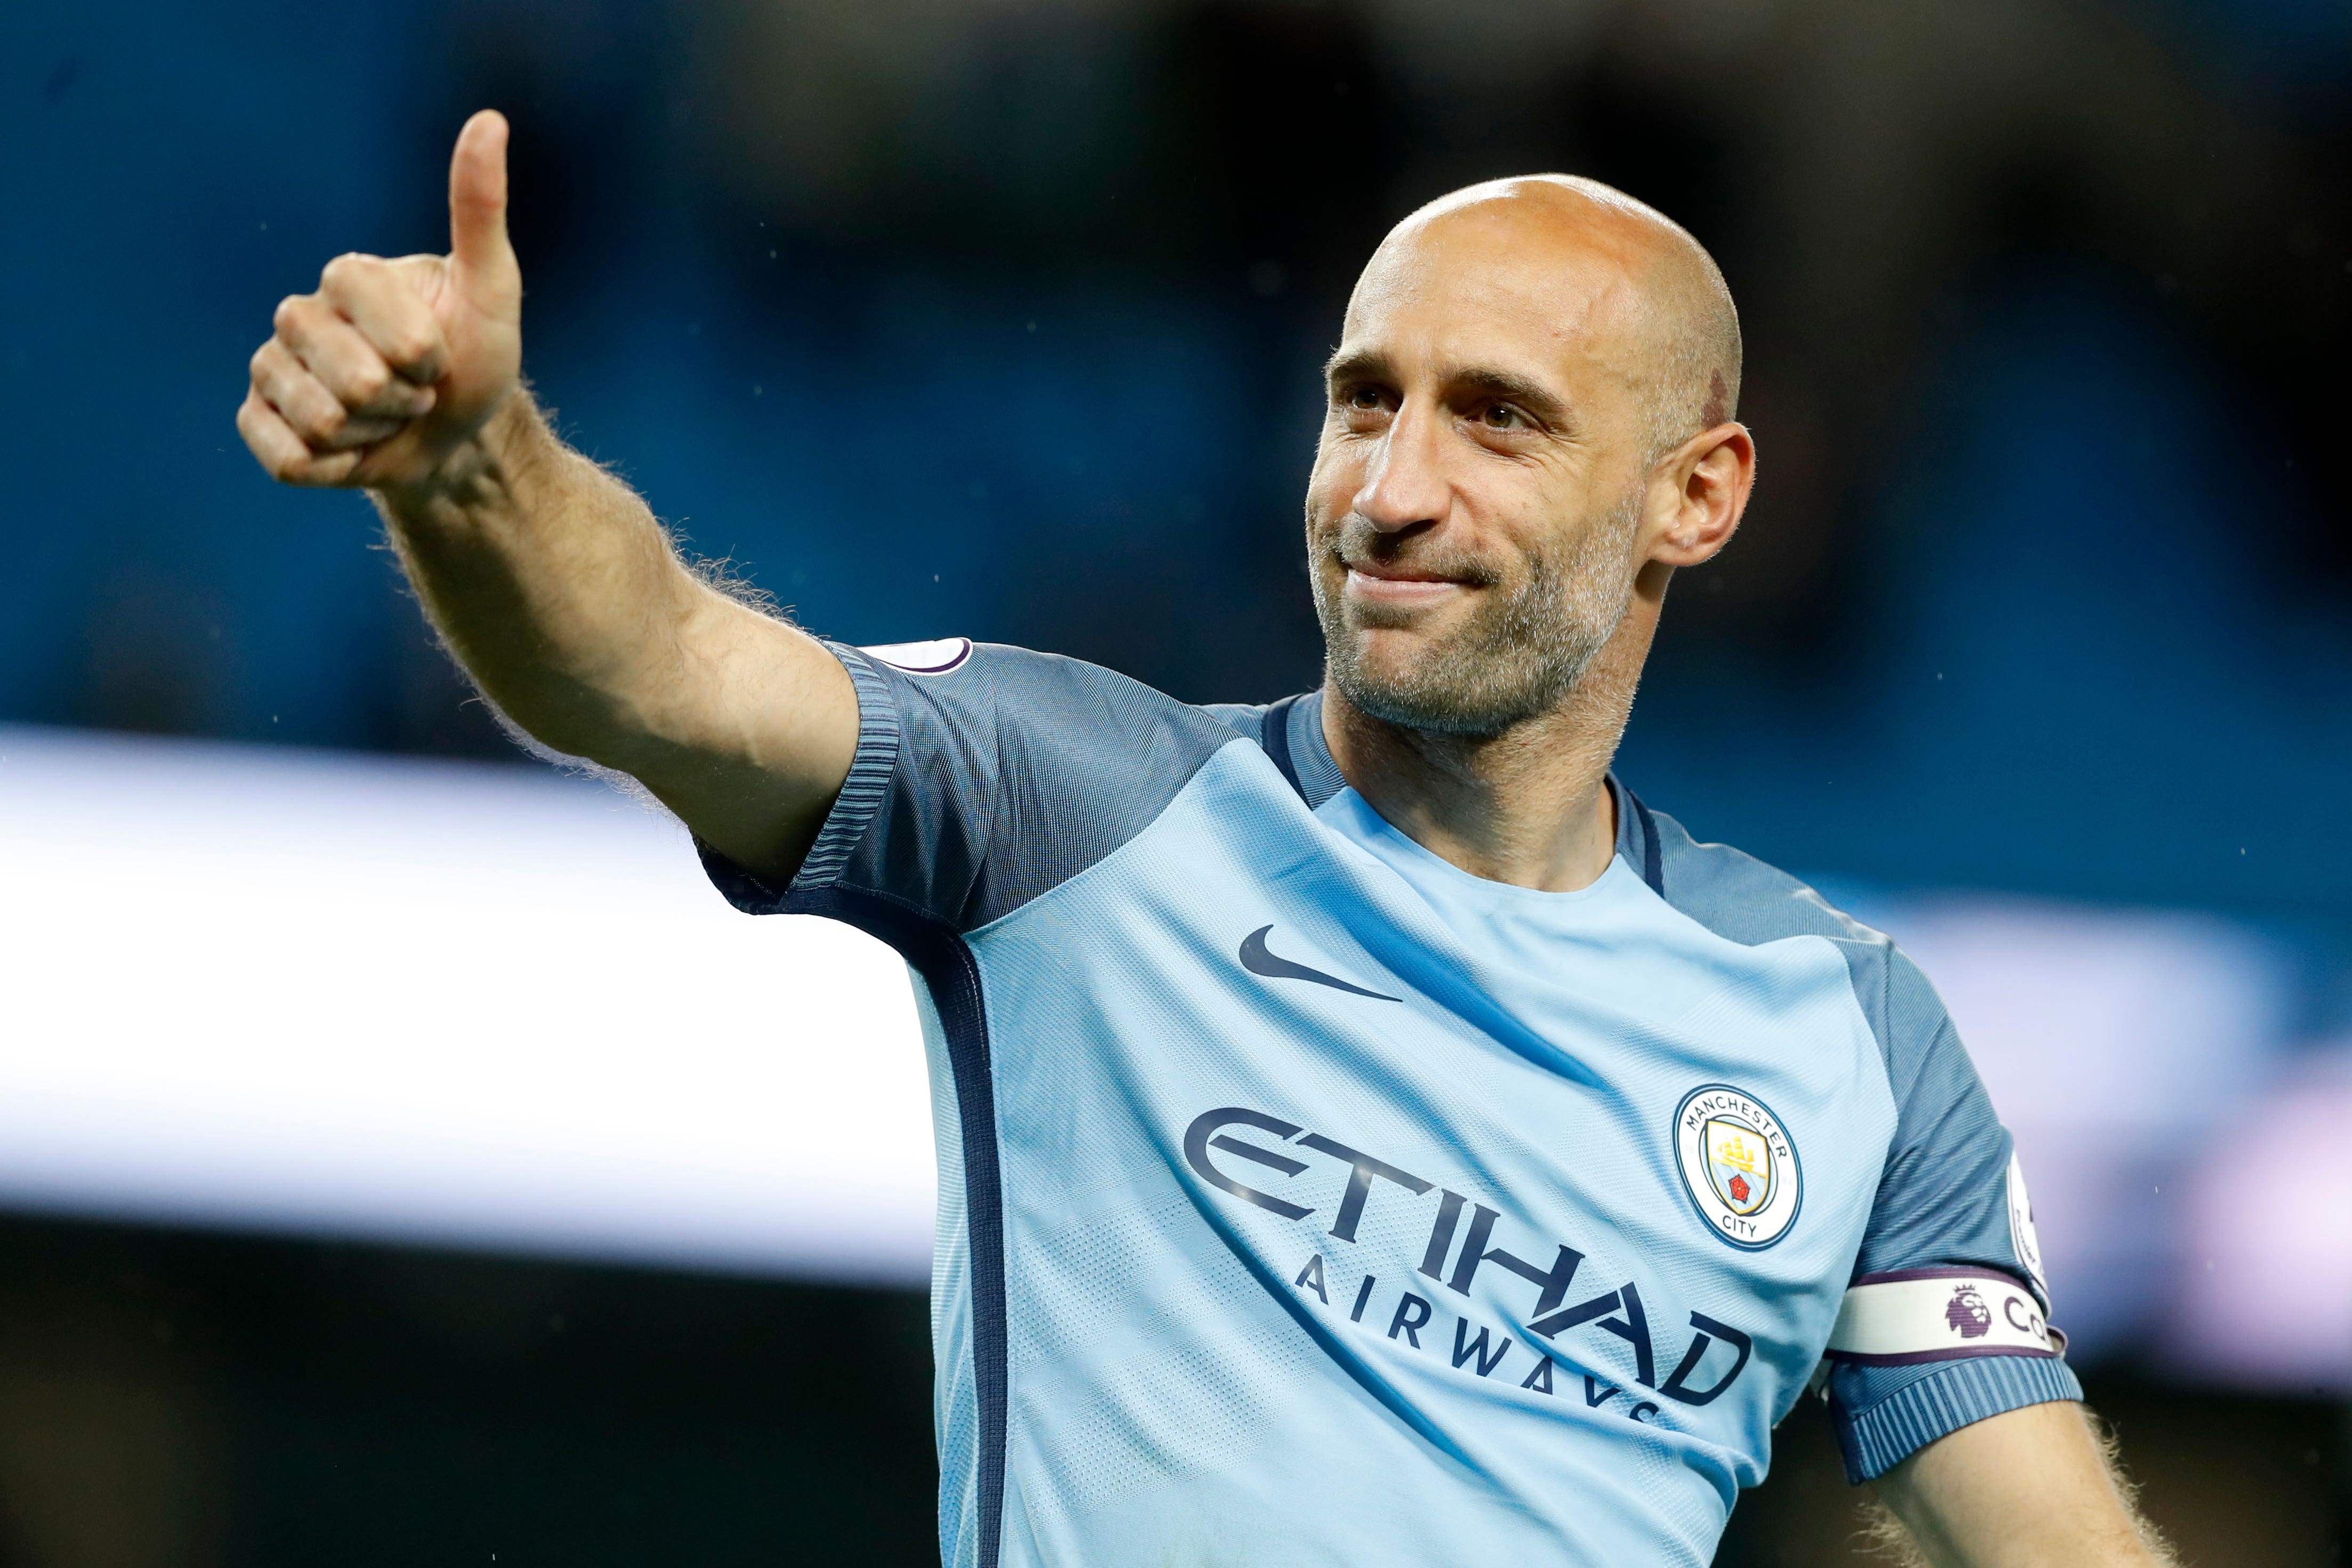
x: 1407, y: 485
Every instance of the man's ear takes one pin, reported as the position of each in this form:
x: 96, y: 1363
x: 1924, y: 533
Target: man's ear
x: 1709, y: 477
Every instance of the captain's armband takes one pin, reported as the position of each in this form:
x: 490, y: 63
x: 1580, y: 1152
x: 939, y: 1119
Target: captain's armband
x: 1919, y: 1315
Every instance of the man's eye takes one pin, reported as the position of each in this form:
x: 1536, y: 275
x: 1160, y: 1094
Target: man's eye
x: 1503, y: 416
x: 1366, y: 398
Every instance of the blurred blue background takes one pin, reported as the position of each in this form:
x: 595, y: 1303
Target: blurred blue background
x: 1004, y: 319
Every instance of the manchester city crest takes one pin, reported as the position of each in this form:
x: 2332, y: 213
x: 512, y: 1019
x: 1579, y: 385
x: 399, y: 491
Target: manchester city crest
x: 1739, y: 1164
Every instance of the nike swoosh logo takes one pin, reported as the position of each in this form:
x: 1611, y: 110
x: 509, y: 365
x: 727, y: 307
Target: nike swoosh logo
x: 1257, y: 960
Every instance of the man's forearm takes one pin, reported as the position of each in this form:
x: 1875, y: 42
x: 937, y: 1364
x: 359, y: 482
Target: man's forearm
x: 554, y: 586
x: 2033, y: 1488
x: 552, y: 581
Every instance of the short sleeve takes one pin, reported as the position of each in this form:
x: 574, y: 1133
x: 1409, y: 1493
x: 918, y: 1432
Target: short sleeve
x: 1947, y: 1319
x: 983, y: 776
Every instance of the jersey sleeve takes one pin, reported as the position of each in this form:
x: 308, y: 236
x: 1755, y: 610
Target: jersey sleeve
x: 984, y: 775
x: 1946, y: 1320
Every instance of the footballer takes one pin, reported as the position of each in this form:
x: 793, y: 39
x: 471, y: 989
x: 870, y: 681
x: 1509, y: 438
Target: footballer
x: 1369, y: 1135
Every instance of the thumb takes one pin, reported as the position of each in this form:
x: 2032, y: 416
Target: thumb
x: 478, y: 198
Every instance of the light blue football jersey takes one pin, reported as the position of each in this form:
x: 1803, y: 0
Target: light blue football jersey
x: 1306, y: 1200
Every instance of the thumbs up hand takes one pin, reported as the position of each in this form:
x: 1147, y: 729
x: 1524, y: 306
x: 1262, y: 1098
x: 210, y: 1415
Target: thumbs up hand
x: 376, y: 380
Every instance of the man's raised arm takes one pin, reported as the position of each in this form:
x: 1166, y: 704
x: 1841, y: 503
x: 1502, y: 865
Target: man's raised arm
x: 548, y: 578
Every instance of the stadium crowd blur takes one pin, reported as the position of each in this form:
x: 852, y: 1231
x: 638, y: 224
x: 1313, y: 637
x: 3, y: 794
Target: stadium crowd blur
x: 1003, y: 318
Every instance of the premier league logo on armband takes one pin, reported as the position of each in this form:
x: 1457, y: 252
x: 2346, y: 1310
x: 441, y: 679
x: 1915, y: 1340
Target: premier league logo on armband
x: 1967, y: 1313
x: 1739, y: 1164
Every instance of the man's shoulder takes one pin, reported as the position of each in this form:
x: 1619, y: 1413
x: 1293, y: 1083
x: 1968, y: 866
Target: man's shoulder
x: 1739, y: 897
x: 1009, y: 771
x: 1750, y: 901
x: 1016, y: 687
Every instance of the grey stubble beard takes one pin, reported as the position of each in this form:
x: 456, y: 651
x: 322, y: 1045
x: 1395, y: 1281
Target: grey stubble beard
x: 1522, y: 656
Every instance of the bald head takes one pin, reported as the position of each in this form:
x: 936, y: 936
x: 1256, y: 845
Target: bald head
x: 1525, y: 435
x: 1642, y: 294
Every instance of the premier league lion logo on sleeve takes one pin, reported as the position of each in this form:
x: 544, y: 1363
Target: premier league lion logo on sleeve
x: 1968, y: 1313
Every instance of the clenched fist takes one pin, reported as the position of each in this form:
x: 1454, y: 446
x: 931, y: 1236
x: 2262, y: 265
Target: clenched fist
x: 393, y: 366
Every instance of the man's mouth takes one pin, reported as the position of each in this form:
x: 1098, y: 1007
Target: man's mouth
x: 1399, y: 582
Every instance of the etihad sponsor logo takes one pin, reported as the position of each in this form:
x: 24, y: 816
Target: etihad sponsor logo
x: 1221, y: 1144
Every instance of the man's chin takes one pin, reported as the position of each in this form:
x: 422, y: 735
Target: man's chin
x: 1394, y: 658
x: 1391, y: 661
x: 1417, y: 682
x: 1390, y: 678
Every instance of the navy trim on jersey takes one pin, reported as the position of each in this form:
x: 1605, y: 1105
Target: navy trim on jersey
x: 1273, y: 734
x: 1874, y: 1439
x: 940, y: 957
x: 1654, y: 870
x: 1318, y: 775
x: 870, y: 768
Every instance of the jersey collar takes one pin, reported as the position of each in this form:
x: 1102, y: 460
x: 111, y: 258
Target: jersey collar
x: 1293, y: 737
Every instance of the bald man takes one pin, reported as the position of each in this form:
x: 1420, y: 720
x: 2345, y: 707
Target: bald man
x: 1369, y: 1135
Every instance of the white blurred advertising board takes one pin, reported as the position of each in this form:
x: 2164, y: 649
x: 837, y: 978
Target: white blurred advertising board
x: 460, y: 1003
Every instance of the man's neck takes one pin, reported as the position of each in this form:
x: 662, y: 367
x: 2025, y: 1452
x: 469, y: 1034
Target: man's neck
x: 1530, y: 806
